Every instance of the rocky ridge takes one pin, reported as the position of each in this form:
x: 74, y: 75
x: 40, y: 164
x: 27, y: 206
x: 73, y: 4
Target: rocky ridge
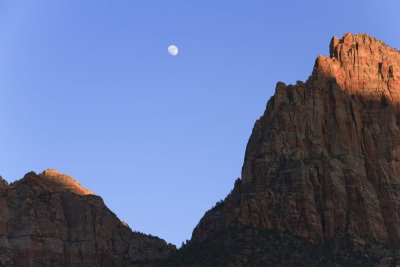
x: 49, y: 219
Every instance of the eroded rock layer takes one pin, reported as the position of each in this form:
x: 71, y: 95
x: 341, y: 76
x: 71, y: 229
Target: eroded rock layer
x: 51, y: 220
x: 325, y: 156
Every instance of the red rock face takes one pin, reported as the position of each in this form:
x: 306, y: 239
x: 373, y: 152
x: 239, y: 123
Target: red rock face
x: 325, y: 156
x: 362, y: 65
x: 51, y: 220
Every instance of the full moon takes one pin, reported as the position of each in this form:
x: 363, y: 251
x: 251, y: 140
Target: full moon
x: 173, y: 50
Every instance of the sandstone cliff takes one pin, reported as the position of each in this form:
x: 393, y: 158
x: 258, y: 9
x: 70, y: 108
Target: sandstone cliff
x: 51, y: 220
x: 325, y: 156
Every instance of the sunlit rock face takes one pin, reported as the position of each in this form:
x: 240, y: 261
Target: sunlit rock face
x: 361, y: 65
x: 325, y: 156
x: 49, y: 219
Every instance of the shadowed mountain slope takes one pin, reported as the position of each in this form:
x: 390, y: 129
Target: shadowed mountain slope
x: 51, y: 220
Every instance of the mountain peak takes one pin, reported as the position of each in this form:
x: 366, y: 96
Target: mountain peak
x: 54, y: 181
x: 49, y: 219
x: 63, y: 182
x: 362, y: 65
x: 324, y: 159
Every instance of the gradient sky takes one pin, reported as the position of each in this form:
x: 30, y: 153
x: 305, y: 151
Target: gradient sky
x: 88, y: 88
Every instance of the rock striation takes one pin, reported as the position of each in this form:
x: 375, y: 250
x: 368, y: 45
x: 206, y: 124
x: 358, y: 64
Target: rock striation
x: 49, y: 219
x: 324, y: 158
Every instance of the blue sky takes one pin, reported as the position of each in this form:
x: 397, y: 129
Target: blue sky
x: 88, y: 88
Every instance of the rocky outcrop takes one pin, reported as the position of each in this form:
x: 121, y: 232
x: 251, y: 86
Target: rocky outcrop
x: 51, y: 220
x: 325, y: 156
x: 3, y: 183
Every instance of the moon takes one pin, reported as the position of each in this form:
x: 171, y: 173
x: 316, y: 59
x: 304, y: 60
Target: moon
x: 173, y: 50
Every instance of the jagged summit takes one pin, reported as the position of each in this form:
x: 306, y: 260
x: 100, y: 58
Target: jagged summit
x: 362, y: 65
